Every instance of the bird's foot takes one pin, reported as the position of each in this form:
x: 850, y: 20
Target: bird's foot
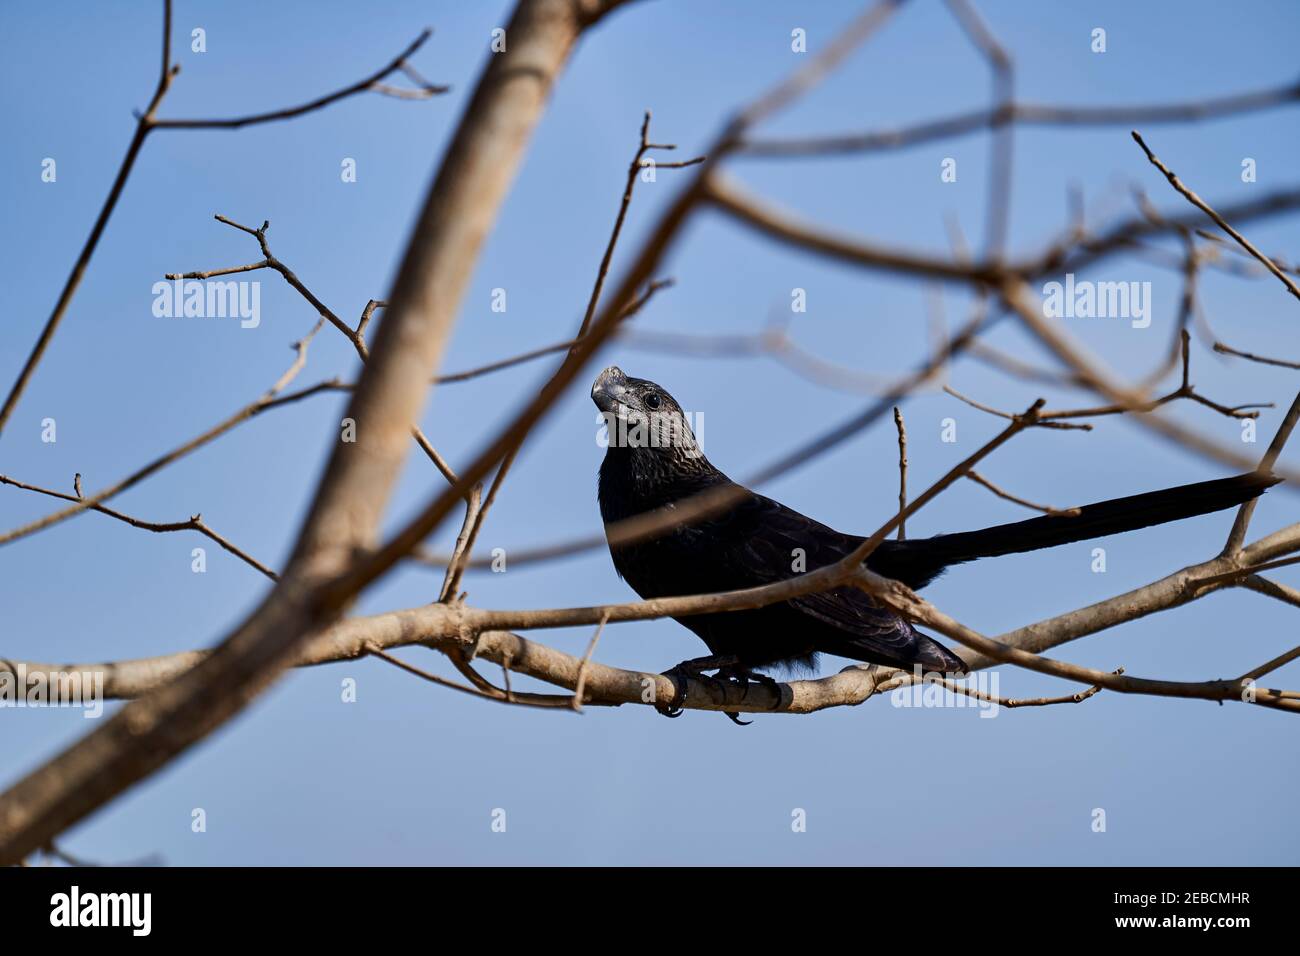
x: 678, y: 676
x: 745, y: 676
x: 693, y: 670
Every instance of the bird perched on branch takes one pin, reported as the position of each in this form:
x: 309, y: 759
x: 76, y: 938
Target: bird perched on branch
x: 653, y: 466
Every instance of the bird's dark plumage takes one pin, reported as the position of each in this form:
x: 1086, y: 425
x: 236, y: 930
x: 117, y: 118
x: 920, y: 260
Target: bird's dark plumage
x: 653, y: 462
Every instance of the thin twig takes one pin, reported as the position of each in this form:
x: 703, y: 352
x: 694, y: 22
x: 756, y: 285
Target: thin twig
x: 1077, y: 698
x: 1227, y: 350
x: 580, y: 685
x: 1027, y: 419
x: 354, y: 336
x: 1184, y: 390
x: 1012, y: 702
x: 1043, y: 423
x: 541, y: 701
x: 474, y: 522
x: 633, y: 171
x: 366, y: 314
x: 369, y: 83
x: 1281, y: 592
x: 272, y: 398
x: 1222, y: 223
x: 1045, y: 509
x: 194, y: 523
x: 1025, y: 114
x: 1241, y: 524
x: 146, y: 123
x: 1002, y: 150
x: 902, y: 472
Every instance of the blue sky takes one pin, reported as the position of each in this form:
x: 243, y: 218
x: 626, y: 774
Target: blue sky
x: 410, y: 774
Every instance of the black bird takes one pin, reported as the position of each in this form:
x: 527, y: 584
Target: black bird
x: 653, y: 462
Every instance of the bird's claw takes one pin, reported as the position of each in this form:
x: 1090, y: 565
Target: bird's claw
x: 727, y: 671
x: 678, y: 676
x: 745, y: 676
x: 693, y: 670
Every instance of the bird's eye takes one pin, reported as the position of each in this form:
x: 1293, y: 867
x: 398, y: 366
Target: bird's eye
x: 652, y: 400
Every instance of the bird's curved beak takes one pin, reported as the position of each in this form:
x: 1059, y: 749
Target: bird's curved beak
x: 610, y: 389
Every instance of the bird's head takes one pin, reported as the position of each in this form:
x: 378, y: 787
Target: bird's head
x: 643, y: 418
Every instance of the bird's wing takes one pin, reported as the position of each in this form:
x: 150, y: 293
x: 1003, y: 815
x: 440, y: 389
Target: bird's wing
x: 768, y: 540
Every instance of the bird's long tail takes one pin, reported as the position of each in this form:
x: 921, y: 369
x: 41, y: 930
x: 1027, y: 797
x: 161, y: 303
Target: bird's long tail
x: 917, y: 562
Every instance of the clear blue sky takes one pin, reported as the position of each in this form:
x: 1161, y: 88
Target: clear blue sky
x: 410, y: 774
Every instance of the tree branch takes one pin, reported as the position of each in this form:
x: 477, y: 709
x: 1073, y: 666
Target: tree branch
x: 1222, y: 223
x: 471, y: 183
x: 145, y: 124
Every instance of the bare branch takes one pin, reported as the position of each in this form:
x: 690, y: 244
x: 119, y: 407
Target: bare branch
x: 1222, y: 223
x: 1004, y: 91
x: 1026, y: 420
x: 1045, y: 509
x: 142, y: 128
x: 527, y: 700
x: 1282, y: 592
x: 194, y: 523
x: 579, y: 684
x: 146, y: 123
x: 902, y: 473
x: 1076, y: 698
x: 1026, y: 114
x: 339, y: 551
x: 633, y: 170
x: 344, y: 517
x: 1184, y: 390
x: 1283, y: 434
x: 1008, y: 415
x: 732, y: 199
x: 355, y: 337
x: 443, y: 626
x: 1009, y: 702
x: 273, y: 398
x: 372, y: 82
x: 1283, y: 363
x: 366, y: 314
x: 1017, y: 297
x: 801, y: 81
